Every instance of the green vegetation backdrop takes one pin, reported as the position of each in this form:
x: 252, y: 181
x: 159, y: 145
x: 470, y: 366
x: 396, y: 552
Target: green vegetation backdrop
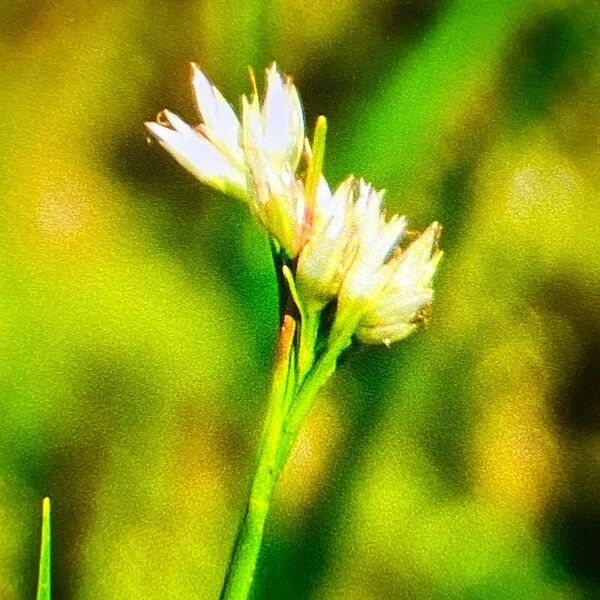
x: 138, y: 309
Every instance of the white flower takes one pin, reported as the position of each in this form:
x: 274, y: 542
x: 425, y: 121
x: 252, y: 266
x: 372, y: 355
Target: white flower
x: 272, y: 141
x: 210, y: 151
x: 323, y: 258
x: 256, y: 160
x: 407, y: 293
x: 353, y: 252
x: 373, y: 242
x: 383, y: 289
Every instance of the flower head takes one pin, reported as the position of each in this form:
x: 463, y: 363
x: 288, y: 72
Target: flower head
x: 255, y: 160
x: 403, y: 295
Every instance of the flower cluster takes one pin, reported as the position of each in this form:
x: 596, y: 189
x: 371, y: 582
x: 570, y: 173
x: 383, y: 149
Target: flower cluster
x: 340, y: 245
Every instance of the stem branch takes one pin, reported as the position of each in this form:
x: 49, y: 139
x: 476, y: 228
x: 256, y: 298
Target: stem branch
x: 322, y: 370
x: 309, y: 330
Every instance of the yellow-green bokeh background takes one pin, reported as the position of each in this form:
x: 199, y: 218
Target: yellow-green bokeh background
x: 138, y: 309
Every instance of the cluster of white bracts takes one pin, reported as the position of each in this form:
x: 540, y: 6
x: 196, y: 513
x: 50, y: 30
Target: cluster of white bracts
x: 343, y: 246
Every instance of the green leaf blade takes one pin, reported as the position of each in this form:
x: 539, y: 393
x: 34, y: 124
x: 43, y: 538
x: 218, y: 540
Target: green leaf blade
x: 43, y: 590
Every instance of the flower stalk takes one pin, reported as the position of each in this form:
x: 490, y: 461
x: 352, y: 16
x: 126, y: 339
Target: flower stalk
x: 242, y: 566
x: 309, y: 331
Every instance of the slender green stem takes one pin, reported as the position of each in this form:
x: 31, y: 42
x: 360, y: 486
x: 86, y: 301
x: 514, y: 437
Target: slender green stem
x: 315, y: 166
x: 308, y: 339
x: 309, y: 328
x: 322, y: 370
x: 240, y: 572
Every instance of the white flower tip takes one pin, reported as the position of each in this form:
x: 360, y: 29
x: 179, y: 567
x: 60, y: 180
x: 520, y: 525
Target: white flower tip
x: 202, y: 86
x: 398, y: 221
x: 273, y: 74
x: 426, y: 243
x: 154, y: 129
x: 150, y: 127
x: 165, y: 118
x: 200, y: 83
x: 271, y: 71
x: 275, y: 88
x: 435, y: 261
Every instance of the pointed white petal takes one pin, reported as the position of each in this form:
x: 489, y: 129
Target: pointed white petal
x: 368, y: 214
x: 281, y: 210
x: 387, y: 241
x: 217, y: 114
x: 322, y: 261
x: 328, y: 206
x: 177, y: 123
x: 251, y: 126
x: 323, y: 199
x: 296, y: 124
x: 369, y: 272
x: 198, y: 155
x: 416, y: 264
x: 251, y: 145
x: 283, y: 120
x: 275, y: 116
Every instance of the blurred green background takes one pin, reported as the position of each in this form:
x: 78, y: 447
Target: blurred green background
x: 138, y: 309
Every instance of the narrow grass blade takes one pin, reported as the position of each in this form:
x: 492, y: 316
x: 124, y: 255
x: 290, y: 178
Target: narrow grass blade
x: 43, y: 591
